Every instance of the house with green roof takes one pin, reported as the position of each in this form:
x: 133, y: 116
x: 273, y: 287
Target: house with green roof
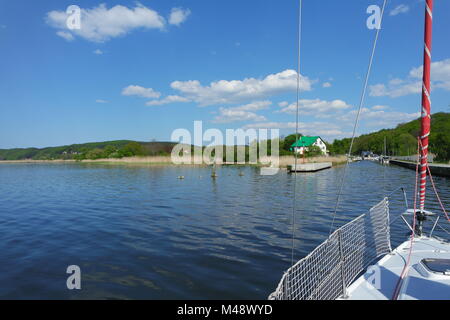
x: 302, y: 144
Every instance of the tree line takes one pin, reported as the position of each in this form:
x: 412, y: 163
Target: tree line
x: 402, y: 140
x: 92, y: 151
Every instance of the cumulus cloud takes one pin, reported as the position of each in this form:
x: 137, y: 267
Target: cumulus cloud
x: 412, y: 84
x: 379, y: 107
x: 228, y: 115
x: 316, y: 107
x: 323, y: 129
x: 399, y: 9
x: 228, y: 91
x: 242, y: 113
x: 238, y: 91
x: 101, y: 23
x: 254, y: 106
x: 396, y: 88
x: 326, y: 84
x: 341, y: 124
x: 440, y: 74
x: 98, y: 52
x: 167, y: 100
x: 374, y: 117
x: 134, y: 90
x: 65, y: 35
x: 178, y: 16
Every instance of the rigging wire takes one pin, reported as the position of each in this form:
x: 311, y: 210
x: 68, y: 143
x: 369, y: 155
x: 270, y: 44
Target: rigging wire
x: 361, y: 102
x: 406, y: 267
x: 413, y: 233
x: 437, y: 194
x: 443, y: 229
x: 299, y: 38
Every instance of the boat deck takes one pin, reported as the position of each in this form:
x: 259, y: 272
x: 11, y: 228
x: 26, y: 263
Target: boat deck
x: 420, y: 284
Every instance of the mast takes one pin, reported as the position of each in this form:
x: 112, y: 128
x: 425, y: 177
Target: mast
x: 426, y: 102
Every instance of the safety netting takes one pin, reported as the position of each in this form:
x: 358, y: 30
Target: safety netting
x: 329, y: 269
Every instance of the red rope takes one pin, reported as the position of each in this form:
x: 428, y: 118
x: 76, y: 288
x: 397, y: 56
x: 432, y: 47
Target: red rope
x: 424, y: 136
x: 413, y: 233
x: 406, y: 267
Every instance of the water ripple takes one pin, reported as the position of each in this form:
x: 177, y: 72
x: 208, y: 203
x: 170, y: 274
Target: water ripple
x: 140, y: 233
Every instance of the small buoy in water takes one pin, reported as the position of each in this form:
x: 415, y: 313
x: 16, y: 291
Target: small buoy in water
x: 180, y: 177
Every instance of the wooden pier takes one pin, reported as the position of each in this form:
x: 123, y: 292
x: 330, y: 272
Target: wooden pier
x: 309, y: 167
x: 442, y: 170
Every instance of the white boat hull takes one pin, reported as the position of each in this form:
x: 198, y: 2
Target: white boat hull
x: 420, y: 283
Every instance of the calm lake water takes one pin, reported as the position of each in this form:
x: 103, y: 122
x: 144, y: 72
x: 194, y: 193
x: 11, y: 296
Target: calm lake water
x: 140, y: 233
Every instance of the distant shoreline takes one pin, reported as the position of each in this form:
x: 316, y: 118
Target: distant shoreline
x: 166, y: 160
x: 38, y: 161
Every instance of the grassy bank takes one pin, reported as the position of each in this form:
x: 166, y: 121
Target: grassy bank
x: 166, y: 160
x: 287, y: 160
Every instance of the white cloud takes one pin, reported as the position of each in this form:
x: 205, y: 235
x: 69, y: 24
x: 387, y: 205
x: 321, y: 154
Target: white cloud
x: 374, y: 117
x: 316, y: 107
x: 242, y: 113
x: 167, y: 100
x: 440, y: 73
x: 227, y: 115
x: 65, y: 35
x: 341, y: 125
x: 444, y: 85
x: 100, y: 24
x: 326, y: 84
x: 440, y: 77
x: 178, y: 16
x: 323, y: 129
x: 101, y: 101
x: 134, y: 90
x: 283, y: 104
x: 237, y: 91
x: 385, y: 119
x: 379, y: 107
x: 395, y: 90
x: 254, y: 106
x: 98, y: 52
x: 399, y: 9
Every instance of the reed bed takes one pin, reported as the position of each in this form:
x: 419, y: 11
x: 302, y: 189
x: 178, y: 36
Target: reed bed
x: 283, y: 162
x: 265, y: 161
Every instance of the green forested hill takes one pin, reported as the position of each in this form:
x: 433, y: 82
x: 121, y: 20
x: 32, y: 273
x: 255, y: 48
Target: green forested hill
x: 402, y: 140
x: 93, y: 150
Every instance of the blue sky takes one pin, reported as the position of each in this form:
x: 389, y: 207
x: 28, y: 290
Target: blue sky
x: 139, y: 70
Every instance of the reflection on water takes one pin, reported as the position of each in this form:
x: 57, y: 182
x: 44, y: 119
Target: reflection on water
x: 141, y: 233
